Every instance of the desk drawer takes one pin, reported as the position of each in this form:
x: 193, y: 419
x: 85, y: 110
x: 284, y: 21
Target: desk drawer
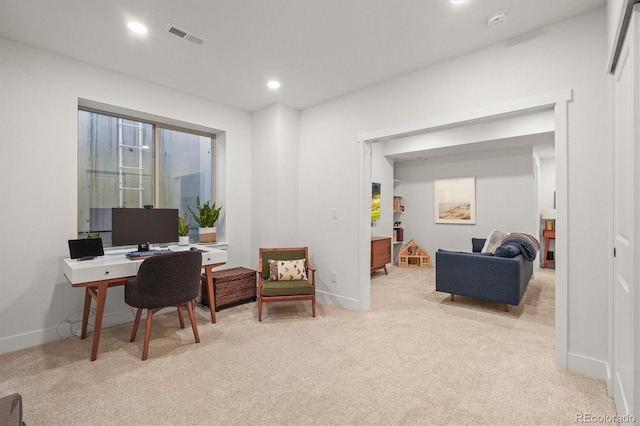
x: 95, y: 272
x: 210, y: 257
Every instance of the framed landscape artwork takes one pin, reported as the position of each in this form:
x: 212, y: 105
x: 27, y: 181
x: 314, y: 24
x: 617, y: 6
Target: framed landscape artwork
x: 455, y: 200
x: 375, y: 200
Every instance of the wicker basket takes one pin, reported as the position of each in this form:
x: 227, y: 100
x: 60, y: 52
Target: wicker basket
x: 231, y: 287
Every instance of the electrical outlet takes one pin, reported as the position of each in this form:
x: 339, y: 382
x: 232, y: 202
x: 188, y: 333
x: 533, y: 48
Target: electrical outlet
x: 334, y: 277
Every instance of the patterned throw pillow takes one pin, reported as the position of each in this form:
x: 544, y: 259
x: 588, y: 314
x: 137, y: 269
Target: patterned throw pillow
x: 273, y: 270
x: 494, y: 241
x: 291, y: 270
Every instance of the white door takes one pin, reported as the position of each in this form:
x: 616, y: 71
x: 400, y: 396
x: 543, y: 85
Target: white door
x: 625, y: 263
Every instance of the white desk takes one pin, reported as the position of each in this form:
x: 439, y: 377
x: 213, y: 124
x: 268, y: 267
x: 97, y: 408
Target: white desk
x: 113, y: 269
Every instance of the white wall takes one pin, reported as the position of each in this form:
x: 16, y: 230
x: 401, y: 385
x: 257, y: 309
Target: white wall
x: 568, y: 55
x: 275, y: 178
x: 38, y: 167
x: 382, y: 173
x: 504, y: 197
x: 547, y: 183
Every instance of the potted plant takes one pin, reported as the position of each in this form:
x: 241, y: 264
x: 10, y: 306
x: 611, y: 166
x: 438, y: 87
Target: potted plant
x: 206, y: 218
x: 183, y: 230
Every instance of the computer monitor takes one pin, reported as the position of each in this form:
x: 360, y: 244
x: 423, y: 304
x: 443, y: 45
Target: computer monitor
x: 143, y: 227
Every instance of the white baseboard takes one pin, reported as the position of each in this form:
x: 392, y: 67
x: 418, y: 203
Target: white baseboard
x: 342, y: 301
x: 46, y: 335
x: 590, y: 366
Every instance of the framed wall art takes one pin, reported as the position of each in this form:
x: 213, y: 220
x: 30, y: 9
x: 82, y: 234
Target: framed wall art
x: 455, y: 200
x: 375, y: 200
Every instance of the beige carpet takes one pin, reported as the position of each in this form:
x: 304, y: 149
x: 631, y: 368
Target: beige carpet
x: 415, y: 358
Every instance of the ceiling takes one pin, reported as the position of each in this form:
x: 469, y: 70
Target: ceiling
x: 318, y: 49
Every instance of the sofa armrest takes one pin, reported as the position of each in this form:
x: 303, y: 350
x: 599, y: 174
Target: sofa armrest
x: 480, y: 276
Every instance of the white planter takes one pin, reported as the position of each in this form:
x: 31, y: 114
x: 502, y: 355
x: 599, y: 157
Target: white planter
x: 183, y: 240
x: 207, y: 235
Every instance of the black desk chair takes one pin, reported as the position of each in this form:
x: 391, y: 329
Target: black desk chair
x: 164, y: 280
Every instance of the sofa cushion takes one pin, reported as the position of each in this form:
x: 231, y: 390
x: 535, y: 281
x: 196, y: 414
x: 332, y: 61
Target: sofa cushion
x: 493, y: 241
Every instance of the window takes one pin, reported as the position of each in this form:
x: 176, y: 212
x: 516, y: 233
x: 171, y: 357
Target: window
x: 123, y: 162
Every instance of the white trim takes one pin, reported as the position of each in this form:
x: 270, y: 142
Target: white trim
x: 562, y: 233
x: 335, y: 299
x: 364, y: 226
x: 590, y: 366
x: 622, y: 23
x: 510, y: 107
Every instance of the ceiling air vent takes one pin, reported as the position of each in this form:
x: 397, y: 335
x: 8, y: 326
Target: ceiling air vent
x: 184, y: 34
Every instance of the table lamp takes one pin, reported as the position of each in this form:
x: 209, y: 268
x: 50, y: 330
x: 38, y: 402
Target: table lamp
x: 549, y: 217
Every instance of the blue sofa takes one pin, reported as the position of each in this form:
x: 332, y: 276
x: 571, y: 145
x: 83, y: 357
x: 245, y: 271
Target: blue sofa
x: 483, y: 275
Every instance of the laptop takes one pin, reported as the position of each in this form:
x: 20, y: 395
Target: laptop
x: 86, y: 249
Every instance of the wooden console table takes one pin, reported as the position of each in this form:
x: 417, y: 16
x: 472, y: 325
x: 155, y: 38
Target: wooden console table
x: 380, y: 253
x: 548, y: 236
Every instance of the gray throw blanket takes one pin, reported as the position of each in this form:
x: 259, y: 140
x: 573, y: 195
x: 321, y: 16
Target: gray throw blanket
x: 525, y: 243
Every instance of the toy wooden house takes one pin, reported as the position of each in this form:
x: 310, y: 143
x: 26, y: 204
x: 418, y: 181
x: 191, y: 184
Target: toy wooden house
x: 412, y: 255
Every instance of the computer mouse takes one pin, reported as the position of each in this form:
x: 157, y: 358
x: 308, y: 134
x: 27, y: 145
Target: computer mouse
x: 194, y: 249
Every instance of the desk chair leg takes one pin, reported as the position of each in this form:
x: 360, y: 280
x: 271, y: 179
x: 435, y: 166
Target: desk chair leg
x: 136, y: 324
x: 192, y: 318
x: 147, y: 333
x: 180, y: 316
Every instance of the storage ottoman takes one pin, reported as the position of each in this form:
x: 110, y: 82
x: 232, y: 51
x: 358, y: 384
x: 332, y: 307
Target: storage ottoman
x: 231, y: 287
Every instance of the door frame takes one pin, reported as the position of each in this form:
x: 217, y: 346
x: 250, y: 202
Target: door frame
x: 558, y: 101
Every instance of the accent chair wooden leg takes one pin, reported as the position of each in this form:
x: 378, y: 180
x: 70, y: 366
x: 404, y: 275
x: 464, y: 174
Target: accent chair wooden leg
x: 259, y: 308
x: 147, y: 334
x: 313, y: 306
x: 192, y: 318
x: 180, y: 316
x: 136, y: 324
x: 452, y: 297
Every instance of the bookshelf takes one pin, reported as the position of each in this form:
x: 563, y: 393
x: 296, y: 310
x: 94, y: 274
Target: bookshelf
x: 397, y: 238
x: 398, y: 210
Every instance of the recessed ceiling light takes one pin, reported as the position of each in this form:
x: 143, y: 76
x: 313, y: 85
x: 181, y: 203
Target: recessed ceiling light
x: 458, y: 1
x: 137, y: 27
x: 273, y: 85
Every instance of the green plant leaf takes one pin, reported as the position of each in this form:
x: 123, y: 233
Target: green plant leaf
x: 207, y: 215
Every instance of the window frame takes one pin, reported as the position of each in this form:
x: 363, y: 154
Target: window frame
x: 158, y: 125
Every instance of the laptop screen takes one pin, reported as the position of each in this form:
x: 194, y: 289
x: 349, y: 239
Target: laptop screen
x: 86, y: 248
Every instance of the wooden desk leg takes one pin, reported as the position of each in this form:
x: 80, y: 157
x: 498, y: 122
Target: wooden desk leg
x: 85, y: 314
x: 101, y: 298
x: 208, y: 270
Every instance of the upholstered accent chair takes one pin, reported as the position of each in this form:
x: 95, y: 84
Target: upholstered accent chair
x: 285, y: 274
x: 165, y: 280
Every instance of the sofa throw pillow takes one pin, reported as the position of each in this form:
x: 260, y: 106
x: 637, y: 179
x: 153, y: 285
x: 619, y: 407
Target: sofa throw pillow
x: 477, y: 244
x: 493, y: 241
x: 292, y: 270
